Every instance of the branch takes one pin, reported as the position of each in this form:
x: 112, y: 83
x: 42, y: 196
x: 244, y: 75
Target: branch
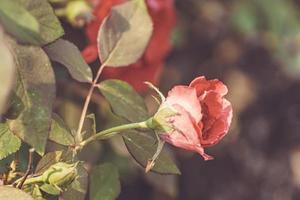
x: 87, y: 101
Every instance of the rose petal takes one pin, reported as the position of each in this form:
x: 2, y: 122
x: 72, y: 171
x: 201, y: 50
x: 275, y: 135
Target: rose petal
x: 186, y: 133
x: 136, y: 75
x: 187, y: 98
x: 201, y: 85
x: 200, y: 150
x: 90, y: 53
x: 219, y: 128
x: 163, y: 16
x: 213, y: 103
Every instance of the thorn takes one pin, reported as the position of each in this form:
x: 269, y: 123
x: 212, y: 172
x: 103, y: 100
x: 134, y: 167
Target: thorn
x: 150, y: 165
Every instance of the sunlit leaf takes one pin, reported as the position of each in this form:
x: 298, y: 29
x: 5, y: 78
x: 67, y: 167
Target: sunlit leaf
x: 67, y: 54
x: 124, y: 34
x: 59, y: 132
x: 7, y: 71
x: 36, y: 89
x: 30, y: 21
x: 9, y: 143
x: 11, y: 193
x: 50, y: 27
x: 104, y: 182
x: 18, y: 21
x: 48, y: 160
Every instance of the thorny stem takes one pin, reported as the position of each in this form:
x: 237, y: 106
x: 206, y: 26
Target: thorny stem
x: 114, y: 130
x: 87, y: 101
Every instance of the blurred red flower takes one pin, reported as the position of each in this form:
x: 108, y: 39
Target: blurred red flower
x: 149, y: 67
x: 203, y: 115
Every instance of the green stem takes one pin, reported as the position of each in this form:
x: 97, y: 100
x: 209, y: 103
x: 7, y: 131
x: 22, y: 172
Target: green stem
x: 28, y: 181
x: 33, y: 180
x: 114, y: 130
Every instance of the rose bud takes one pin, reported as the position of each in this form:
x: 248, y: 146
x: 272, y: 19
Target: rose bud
x: 199, y: 115
x: 60, y: 174
x: 78, y: 13
x: 160, y: 121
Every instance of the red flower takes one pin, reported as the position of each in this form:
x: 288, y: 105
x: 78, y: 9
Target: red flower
x: 149, y: 67
x: 203, y: 115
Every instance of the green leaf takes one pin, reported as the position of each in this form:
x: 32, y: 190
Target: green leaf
x: 15, y: 106
x: 36, y: 193
x: 89, y: 126
x: 70, y: 112
x: 127, y: 103
x: 67, y: 54
x: 50, y: 27
x: 124, y: 100
x: 48, y: 160
x: 89, y: 129
x: 50, y: 189
x: 70, y: 194
x: 9, y: 143
x: 142, y: 146
x: 124, y: 34
x: 31, y: 21
x: 7, y: 71
x: 5, y: 164
x: 9, y: 193
x: 78, y: 189
x: 104, y: 182
x: 167, y: 185
x: 80, y: 184
x: 59, y: 132
x: 36, y: 89
x: 18, y: 21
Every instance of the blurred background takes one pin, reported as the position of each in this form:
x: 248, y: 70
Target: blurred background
x: 254, y: 47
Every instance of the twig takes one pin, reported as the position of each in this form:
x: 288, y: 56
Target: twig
x: 87, y: 101
x: 29, y: 168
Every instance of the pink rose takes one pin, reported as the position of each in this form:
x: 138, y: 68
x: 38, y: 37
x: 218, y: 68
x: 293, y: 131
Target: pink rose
x: 203, y: 115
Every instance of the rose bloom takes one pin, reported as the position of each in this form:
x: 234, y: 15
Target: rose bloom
x: 150, y: 65
x: 203, y: 115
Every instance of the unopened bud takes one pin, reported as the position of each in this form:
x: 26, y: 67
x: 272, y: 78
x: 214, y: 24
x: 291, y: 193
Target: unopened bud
x: 78, y: 12
x: 60, y: 174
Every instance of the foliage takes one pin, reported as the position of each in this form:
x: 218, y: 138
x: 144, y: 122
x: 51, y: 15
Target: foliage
x: 31, y: 39
x: 50, y: 154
